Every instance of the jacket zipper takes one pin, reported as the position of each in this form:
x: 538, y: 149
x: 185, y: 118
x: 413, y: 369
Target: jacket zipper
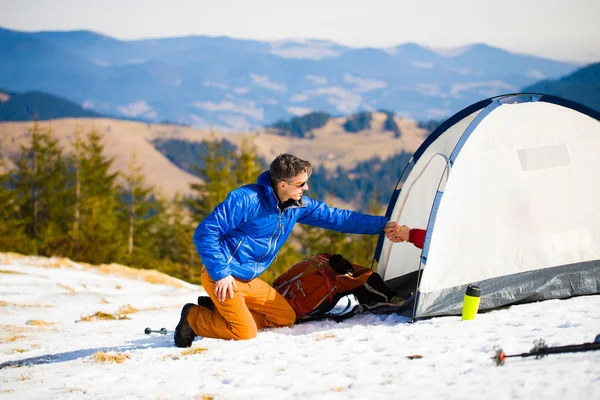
x: 235, y: 251
x: 269, y: 247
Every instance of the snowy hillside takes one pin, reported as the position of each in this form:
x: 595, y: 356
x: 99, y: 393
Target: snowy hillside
x: 52, y: 346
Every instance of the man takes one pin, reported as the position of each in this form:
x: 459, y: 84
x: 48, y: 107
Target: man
x: 240, y: 238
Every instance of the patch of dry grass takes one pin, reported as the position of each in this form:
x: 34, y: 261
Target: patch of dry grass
x: 5, y: 271
x: 12, y: 338
x: 38, y: 322
x: 204, y: 397
x: 173, y: 357
x: 111, y: 357
x: 147, y: 275
x: 193, y: 350
x: 127, y: 309
x: 104, y: 301
x: 338, y: 389
x: 58, y: 262
x: 122, y: 271
x: 325, y: 336
x: 100, y: 316
x: 6, y: 304
x: 19, y: 350
x: 67, y: 288
x: 8, y: 258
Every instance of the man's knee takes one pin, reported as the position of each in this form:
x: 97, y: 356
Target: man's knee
x: 248, y: 332
x: 288, y: 318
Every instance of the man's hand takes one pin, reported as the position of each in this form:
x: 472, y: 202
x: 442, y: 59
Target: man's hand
x: 224, y: 287
x: 396, y: 233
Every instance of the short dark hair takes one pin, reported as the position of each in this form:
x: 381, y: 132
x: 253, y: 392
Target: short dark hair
x: 286, y: 166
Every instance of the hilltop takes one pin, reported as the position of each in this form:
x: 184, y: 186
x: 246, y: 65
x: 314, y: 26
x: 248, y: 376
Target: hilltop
x: 330, y: 146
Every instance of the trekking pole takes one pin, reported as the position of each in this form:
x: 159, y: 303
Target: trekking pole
x: 162, y: 331
x: 540, y: 349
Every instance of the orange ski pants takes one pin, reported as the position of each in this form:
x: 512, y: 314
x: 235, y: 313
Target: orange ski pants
x: 255, y: 305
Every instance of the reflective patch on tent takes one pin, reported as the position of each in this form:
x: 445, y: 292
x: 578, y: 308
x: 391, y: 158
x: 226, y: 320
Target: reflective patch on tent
x: 544, y: 157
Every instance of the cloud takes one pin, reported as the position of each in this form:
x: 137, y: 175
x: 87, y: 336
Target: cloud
x: 299, y: 111
x: 218, y: 85
x: 247, y: 108
x: 317, y: 80
x: 420, y: 64
x: 342, y: 99
x: 264, y: 82
x: 241, y: 90
x: 430, y: 89
x: 437, y: 113
x: 535, y: 74
x: 299, y: 98
x: 235, y: 122
x: 310, y: 53
x: 364, y: 85
x: 461, y: 71
x: 198, y: 122
x: 138, y: 109
x: 488, y: 89
x: 98, y: 62
x: 304, y: 48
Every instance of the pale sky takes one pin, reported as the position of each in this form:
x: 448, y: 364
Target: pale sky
x: 559, y: 29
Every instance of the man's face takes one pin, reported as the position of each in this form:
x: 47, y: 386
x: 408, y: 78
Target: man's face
x: 295, y: 187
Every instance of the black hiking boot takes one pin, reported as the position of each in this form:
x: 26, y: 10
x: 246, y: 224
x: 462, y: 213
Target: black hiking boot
x: 184, y: 334
x: 206, y: 302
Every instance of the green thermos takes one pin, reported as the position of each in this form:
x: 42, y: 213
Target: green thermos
x: 471, y: 302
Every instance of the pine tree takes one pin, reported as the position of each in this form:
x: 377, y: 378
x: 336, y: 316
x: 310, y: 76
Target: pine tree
x: 12, y: 233
x: 75, y: 167
x: 40, y: 182
x: 173, y: 243
x: 363, y: 246
x: 219, y: 179
x: 94, y: 227
x: 248, y: 164
x: 137, y: 214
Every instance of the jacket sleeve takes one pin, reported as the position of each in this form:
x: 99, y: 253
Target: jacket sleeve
x: 207, y: 236
x: 321, y: 215
x: 417, y: 237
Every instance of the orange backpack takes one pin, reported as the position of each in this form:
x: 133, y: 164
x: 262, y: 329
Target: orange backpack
x: 312, y: 286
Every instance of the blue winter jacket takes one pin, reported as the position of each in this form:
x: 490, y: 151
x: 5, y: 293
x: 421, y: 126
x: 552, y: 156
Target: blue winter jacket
x: 243, y: 234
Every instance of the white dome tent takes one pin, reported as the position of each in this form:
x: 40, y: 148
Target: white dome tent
x: 509, y: 192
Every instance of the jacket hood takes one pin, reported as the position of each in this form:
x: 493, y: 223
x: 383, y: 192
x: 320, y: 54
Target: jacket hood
x: 264, y: 181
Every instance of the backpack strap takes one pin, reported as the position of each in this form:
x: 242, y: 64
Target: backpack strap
x: 334, y: 317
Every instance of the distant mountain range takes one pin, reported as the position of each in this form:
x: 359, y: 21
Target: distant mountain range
x: 236, y: 84
x: 39, y: 106
x: 583, y: 86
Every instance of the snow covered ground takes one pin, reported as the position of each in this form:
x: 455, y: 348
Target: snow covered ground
x: 49, y: 351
